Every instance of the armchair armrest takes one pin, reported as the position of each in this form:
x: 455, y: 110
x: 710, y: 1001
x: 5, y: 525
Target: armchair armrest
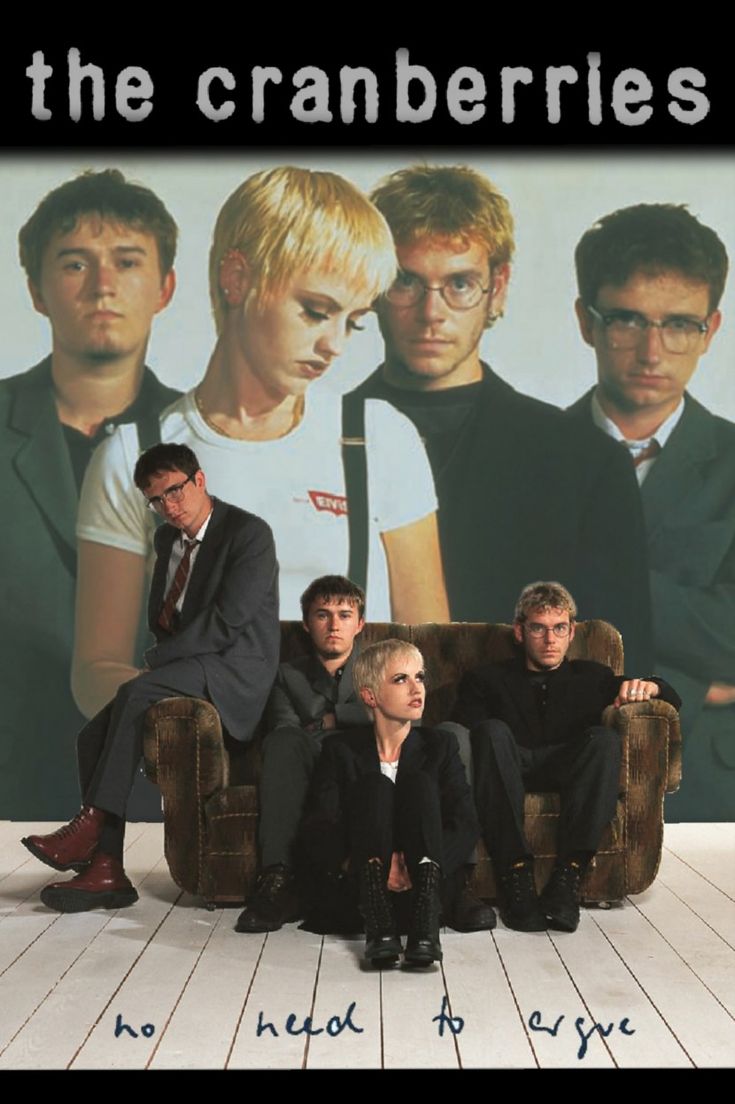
x: 185, y: 755
x: 651, y: 765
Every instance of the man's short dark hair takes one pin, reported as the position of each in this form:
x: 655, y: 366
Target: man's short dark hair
x: 106, y: 195
x: 163, y: 458
x: 333, y: 588
x: 652, y: 238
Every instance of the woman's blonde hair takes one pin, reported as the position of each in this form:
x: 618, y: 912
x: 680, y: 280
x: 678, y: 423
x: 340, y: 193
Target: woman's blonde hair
x: 370, y: 664
x: 288, y: 220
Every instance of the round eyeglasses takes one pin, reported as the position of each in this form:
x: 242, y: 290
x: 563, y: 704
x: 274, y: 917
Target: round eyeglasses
x: 534, y: 628
x: 624, y: 329
x: 461, y: 291
x: 170, y: 495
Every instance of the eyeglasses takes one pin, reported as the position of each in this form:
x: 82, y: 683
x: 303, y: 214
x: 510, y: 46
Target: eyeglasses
x: 561, y: 630
x: 170, y: 495
x: 624, y: 329
x: 462, y: 291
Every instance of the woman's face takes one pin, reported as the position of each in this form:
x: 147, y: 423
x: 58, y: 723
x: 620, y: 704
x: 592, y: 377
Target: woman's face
x: 401, y: 694
x: 295, y: 335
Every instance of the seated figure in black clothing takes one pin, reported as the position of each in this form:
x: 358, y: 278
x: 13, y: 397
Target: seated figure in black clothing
x: 536, y: 725
x: 390, y: 803
x: 311, y: 696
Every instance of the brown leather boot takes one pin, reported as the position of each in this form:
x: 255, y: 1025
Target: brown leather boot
x: 102, y: 885
x: 70, y: 847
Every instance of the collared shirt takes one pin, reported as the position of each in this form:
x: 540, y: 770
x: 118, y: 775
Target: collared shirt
x: 177, y: 554
x: 635, y: 447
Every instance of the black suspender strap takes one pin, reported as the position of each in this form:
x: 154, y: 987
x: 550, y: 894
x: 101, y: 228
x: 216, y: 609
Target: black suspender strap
x: 354, y: 460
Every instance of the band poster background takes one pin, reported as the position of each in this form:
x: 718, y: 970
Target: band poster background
x: 554, y: 198
x: 536, y: 346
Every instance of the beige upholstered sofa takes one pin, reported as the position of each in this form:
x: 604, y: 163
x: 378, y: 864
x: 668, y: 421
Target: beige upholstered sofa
x: 209, y: 782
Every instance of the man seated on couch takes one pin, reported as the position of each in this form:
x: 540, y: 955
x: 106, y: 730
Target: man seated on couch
x: 311, y: 696
x: 536, y: 725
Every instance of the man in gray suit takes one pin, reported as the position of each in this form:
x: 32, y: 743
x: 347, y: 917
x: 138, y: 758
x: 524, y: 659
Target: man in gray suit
x: 213, y: 609
x: 98, y: 253
x: 650, y: 281
x: 312, y: 695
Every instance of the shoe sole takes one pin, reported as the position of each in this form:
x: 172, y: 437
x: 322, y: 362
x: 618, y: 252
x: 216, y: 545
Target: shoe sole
x: 422, y: 960
x: 557, y: 923
x: 80, y: 900
x: 63, y: 868
x: 258, y: 927
x: 537, y: 925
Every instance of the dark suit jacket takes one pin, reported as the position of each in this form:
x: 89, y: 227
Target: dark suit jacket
x: 304, y: 691
x: 525, y: 495
x: 347, y: 756
x: 689, y: 505
x: 576, y: 695
x: 229, y: 620
x: 38, y: 500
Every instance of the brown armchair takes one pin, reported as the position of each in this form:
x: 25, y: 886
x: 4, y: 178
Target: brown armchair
x: 209, y: 782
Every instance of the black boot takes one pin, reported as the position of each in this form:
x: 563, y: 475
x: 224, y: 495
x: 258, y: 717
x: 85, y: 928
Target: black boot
x: 518, y: 900
x: 560, y: 898
x: 466, y: 912
x: 382, y: 945
x: 423, y: 946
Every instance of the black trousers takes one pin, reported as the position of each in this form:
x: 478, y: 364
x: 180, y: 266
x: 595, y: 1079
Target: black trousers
x: 386, y: 816
x: 289, y: 757
x: 585, y: 772
x: 110, y: 746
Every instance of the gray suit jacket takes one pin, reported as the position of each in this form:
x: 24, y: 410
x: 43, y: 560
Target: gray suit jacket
x: 38, y: 562
x: 229, y: 620
x: 304, y: 691
x: 689, y: 506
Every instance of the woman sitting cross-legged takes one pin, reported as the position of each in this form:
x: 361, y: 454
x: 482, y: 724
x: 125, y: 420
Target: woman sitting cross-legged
x: 390, y: 805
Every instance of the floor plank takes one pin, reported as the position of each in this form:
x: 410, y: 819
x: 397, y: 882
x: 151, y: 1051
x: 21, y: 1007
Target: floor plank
x: 544, y: 991
x: 284, y: 985
x: 703, y: 1028
x: 201, y: 1029
x: 612, y: 995
x: 345, y: 982
x: 411, y: 1001
x: 493, y: 1034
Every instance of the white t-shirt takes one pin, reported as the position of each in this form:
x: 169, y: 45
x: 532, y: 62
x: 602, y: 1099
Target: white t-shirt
x: 296, y: 483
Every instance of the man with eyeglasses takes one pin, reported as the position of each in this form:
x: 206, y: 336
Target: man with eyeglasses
x: 521, y: 493
x: 535, y: 724
x: 650, y: 281
x: 213, y: 609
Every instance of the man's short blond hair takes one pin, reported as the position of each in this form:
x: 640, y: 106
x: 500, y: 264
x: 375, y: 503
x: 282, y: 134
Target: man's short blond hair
x: 456, y: 203
x: 544, y: 596
x: 289, y: 220
x: 369, y: 667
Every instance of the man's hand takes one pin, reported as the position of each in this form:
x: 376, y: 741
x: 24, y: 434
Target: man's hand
x: 635, y: 690
x: 329, y: 720
x: 720, y: 693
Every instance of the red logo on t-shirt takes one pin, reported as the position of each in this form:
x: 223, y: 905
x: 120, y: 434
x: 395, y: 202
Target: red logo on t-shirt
x: 334, y: 504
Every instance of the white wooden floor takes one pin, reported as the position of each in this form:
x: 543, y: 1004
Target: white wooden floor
x: 657, y: 975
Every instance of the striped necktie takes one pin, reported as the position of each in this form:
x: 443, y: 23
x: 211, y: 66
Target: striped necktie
x: 168, y: 610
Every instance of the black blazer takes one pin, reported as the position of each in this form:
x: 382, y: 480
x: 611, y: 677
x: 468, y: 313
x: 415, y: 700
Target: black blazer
x: 304, y: 691
x: 229, y: 620
x: 526, y: 493
x: 348, y: 756
x: 576, y: 694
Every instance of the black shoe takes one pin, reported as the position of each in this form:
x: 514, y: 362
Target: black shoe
x: 382, y: 945
x: 468, y: 913
x: 423, y: 946
x: 519, y: 904
x: 272, y: 905
x: 560, y: 898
